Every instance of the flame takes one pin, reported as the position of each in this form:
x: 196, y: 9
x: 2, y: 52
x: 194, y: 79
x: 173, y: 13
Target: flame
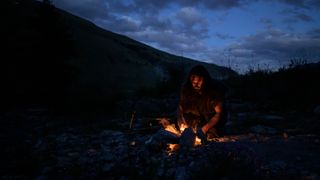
x: 197, y: 141
x: 172, y: 129
x: 183, y: 127
x: 173, y: 147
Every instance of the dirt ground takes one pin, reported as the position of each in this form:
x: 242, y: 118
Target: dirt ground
x: 38, y: 143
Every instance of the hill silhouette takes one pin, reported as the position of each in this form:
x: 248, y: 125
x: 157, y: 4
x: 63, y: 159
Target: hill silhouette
x: 54, y: 56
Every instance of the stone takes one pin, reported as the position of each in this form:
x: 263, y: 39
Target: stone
x: 271, y: 118
x: 41, y: 177
x: 277, y: 165
x: 111, y: 133
x: 107, y: 156
x: 312, y: 176
x: 317, y: 110
x: 181, y: 173
x: 107, y: 167
x: 238, y: 107
x: 244, y: 117
x: 259, y: 129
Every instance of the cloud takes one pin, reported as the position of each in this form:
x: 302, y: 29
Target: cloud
x: 296, y: 16
x: 155, y: 23
x: 223, y: 36
x: 89, y: 9
x: 154, y: 5
x: 193, y: 24
x: 150, y: 7
x: 296, y: 3
x: 116, y: 6
x: 226, y: 4
x: 171, y: 41
x: 314, y: 33
x: 189, y: 17
x: 304, y: 17
x: 305, y: 4
x: 266, y: 21
x: 268, y: 49
x: 277, y: 47
x: 121, y: 24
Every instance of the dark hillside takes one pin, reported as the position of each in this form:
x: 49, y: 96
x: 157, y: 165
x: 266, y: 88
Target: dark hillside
x: 38, y: 47
x: 53, y: 56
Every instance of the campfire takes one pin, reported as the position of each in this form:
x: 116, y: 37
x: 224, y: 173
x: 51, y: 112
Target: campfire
x: 172, y: 129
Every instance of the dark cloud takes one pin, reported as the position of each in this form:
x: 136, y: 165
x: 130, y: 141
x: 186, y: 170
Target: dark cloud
x: 189, y: 17
x: 294, y: 16
x: 171, y: 41
x: 305, y: 4
x: 117, y: 6
x: 209, y: 4
x: 296, y: 3
x: 315, y: 3
x: 270, y: 49
x: 216, y: 4
x: 154, y: 6
x: 150, y: 7
x: 314, y: 33
x: 119, y: 24
x: 155, y: 23
x: 87, y: 9
x: 226, y: 4
x: 193, y: 24
x: 304, y: 17
x: 275, y: 46
x: 223, y: 36
x: 266, y: 22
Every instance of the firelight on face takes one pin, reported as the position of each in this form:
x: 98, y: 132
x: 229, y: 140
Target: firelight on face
x: 197, y: 82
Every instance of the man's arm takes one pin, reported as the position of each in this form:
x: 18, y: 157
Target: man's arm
x: 181, y: 121
x: 215, y: 119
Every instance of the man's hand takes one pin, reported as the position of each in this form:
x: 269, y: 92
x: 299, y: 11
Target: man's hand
x: 201, y: 135
x: 215, y: 119
x: 164, y: 122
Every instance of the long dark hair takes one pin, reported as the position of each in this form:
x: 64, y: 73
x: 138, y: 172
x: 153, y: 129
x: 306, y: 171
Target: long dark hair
x: 198, y: 70
x: 210, y: 85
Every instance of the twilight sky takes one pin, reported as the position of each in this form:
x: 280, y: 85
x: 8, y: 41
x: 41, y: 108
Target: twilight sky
x: 236, y: 33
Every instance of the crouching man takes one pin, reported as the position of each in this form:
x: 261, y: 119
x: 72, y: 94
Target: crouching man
x: 202, y: 108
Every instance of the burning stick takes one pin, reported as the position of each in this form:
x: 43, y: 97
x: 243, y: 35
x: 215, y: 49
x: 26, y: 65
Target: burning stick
x: 131, y: 120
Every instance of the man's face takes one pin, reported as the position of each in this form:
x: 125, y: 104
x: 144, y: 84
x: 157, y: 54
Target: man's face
x: 197, y: 82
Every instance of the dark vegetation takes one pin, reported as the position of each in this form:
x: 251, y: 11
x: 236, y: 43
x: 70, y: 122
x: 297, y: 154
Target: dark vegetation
x: 295, y: 87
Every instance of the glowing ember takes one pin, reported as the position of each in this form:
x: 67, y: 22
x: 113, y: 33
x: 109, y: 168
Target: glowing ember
x: 183, y: 127
x: 172, y: 129
x: 197, y: 141
x: 173, y: 147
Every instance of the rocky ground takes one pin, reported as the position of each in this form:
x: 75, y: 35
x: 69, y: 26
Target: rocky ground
x: 39, y: 144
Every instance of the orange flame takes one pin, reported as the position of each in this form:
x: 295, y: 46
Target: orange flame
x: 171, y: 128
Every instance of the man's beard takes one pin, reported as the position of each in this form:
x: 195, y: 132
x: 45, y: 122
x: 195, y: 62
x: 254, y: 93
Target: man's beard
x: 197, y: 89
